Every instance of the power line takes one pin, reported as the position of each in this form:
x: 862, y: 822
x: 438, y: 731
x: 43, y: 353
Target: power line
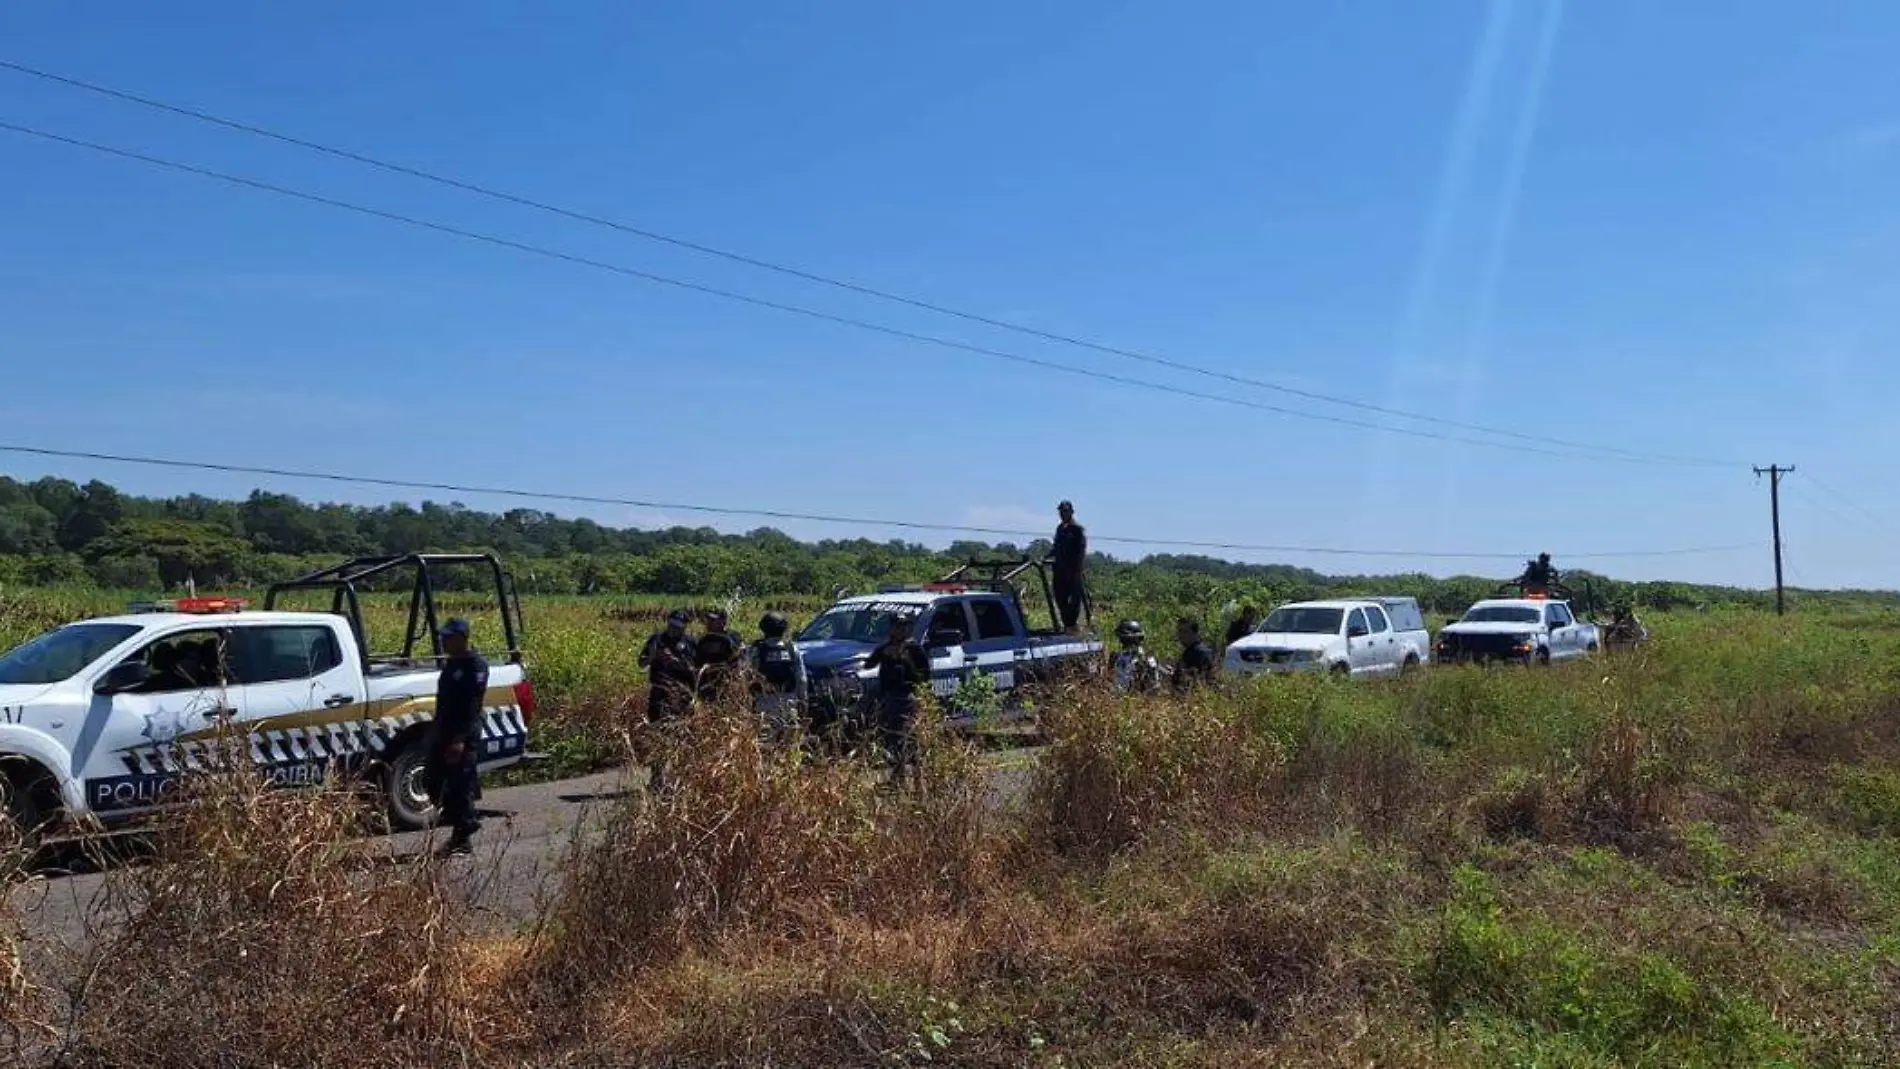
x: 760, y: 302
x: 812, y: 517
x: 833, y: 281
x: 1860, y: 510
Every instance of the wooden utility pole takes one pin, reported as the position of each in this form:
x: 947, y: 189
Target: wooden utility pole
x: 1774, y: 473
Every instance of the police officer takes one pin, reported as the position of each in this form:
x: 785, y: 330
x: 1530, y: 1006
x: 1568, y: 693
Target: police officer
x: 1242, y: 626
x: 778, y: 679
x: 454, y: 734
x: 1070, y: 560
x: 1136, y: 670
x: 1197, y: 665
x: 902, y: 667
x: 1538, y: 575
x: 668, y: 659
x: 715, y: 655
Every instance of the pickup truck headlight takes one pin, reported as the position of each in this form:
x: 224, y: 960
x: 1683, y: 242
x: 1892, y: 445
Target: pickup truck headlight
x: 1526, y: 645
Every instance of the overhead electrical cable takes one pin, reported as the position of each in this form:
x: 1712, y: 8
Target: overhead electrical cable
x: 847, y: 285
x: 811, y: 517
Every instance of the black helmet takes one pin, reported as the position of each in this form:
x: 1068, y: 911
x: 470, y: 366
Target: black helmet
x: 1129, y: 631
x: 772, y: 625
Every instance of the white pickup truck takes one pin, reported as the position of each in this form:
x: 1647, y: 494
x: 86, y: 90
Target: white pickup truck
x: 1348, y: 636
x: 103, y: 719
x: 1528, y: 629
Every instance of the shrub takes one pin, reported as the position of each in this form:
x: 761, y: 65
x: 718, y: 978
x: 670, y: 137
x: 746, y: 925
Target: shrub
x: 258, y: 939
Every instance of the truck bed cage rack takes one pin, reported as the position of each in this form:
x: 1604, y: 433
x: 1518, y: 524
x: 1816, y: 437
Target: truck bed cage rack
x: 1556, y: 589
x: 1000, y: 575
x: 425, y: 620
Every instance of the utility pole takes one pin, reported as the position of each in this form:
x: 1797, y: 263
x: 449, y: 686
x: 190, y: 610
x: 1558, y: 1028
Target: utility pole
x: 1774, y: 473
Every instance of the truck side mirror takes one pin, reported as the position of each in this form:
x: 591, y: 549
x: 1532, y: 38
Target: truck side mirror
x: 122, y: 677
x: 1357, y: 631
x: 943, y: 638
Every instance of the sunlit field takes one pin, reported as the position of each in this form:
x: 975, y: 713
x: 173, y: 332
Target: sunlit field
x: 1684, y: 855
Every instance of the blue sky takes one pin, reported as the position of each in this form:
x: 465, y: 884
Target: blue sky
x: 1668, y: 227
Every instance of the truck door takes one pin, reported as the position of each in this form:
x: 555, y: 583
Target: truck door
x: 137, y: 745
x: 948, y: 660
x: 302, y: 697
x: 1563, y: 633
x: 1383, y: 648
x: 1359, y: 638
x: 1001, y: 649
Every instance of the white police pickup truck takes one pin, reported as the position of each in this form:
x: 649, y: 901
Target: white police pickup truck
x: 1531, y: 629
x: 1356, y: 637
x: 102, y: 720
x: 972, y: 627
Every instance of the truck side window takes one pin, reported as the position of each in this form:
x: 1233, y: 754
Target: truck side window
x: 1559, y: 616
x: 1375, y: 619
x: 948, y: 617
x: 992, y: 619
x: 189, y: 660
x: 1357, y: 622
x: 275, y: 654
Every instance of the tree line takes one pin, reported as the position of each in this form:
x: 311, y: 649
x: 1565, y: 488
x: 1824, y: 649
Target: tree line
x: 54, y: 532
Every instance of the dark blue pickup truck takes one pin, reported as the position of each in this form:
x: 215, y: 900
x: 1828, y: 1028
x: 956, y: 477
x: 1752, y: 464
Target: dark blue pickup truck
x: 969, y: 629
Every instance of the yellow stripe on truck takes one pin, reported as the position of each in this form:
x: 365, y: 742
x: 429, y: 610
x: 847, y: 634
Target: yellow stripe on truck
x: 380, y: 709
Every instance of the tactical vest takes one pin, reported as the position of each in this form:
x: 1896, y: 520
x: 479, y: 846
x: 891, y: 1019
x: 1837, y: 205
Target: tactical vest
x: 778, y: 665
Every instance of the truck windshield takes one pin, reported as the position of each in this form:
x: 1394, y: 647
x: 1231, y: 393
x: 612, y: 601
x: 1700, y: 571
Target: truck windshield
x: 1303, y: 621
x: 59, y: 655
x: 1503, y: 614
x: 856, y: 623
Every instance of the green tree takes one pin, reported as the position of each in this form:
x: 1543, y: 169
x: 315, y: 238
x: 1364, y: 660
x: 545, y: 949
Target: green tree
x: 182, y: 549
x: 26, y: 529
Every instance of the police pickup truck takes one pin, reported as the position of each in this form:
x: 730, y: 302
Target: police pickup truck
x: 102, y: 720
x: 973, y: 624
x: 1534, y: 628
x: 1359, y: 637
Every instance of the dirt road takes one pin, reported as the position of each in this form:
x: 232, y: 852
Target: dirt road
x: 526, y: 832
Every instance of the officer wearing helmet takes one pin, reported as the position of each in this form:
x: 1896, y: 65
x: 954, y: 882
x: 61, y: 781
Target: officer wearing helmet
x: 1136, y: 670
x: 715, y: 655
x: 777, y: 672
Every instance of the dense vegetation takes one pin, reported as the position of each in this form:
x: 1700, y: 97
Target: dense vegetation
x: 57, y: 533
x: 1688, y: 855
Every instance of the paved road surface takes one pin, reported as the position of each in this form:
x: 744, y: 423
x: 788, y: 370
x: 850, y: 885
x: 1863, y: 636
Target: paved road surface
x: 526, y: 832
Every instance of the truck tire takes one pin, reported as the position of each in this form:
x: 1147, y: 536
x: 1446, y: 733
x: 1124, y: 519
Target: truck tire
x: 405, y: 796
x: 1341, y: 670
x: 1410, y: 664
x: 25, y: 792
x: 1543, y: 656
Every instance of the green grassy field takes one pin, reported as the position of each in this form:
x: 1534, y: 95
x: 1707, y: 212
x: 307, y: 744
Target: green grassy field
x: 1687, y: 855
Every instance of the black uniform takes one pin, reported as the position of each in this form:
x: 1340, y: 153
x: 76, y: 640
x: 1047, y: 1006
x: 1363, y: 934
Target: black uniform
x: 456, y: 784
x: 1240, y: 629
x: 1071, y: 550
x: 715, y: 655
x: 1197, y: 666
x: 900, y: 671
x: 669, y: 660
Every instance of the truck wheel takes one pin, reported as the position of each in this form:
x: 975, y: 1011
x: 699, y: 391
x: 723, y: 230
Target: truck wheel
x: 23, y: 792
x: 405, y: 792
x: 1341, y: 670
x: 1543, y: 657
x: 1410, y: 665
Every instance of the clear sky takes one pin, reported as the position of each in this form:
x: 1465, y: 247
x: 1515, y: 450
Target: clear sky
x: 1671, y: 227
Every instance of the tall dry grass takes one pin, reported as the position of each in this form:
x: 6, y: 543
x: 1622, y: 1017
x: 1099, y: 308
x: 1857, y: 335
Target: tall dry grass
x: 263, y: 934
x: 757, y: 840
